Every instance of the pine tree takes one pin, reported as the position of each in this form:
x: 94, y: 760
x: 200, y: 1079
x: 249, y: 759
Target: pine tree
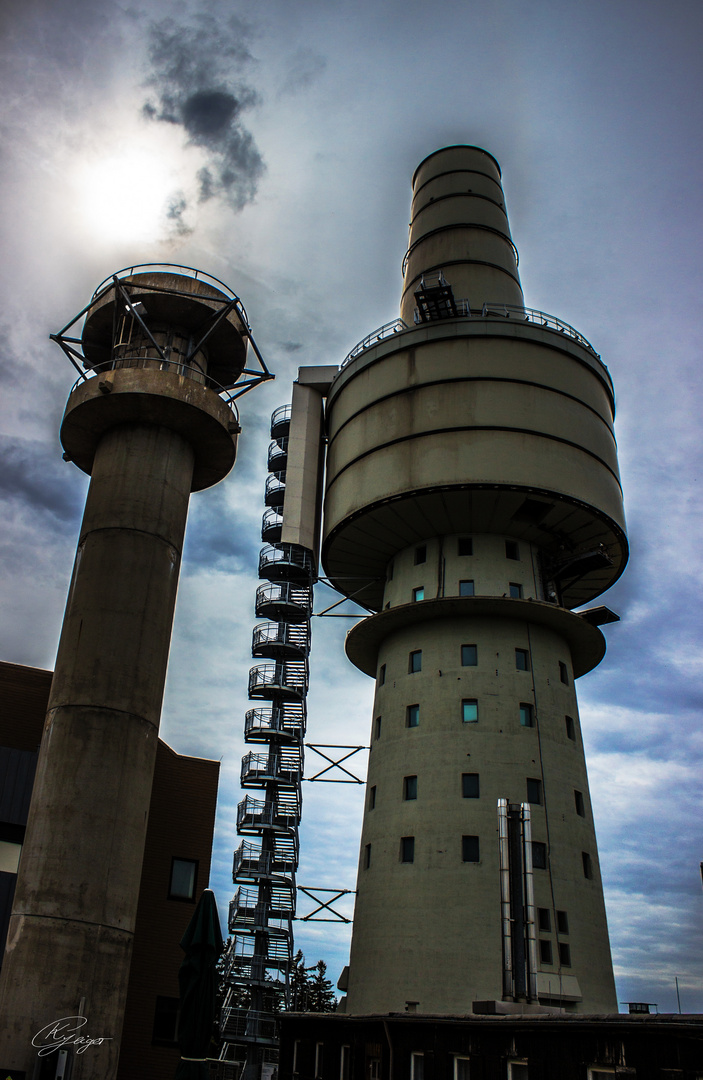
x: 299, y: 984
x: 321, y: 993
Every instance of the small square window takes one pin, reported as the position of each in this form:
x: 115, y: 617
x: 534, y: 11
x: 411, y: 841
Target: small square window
x: 372, y: 798
x: 563, y: 673
x: 469, y: 849
x: 587, y: 865
x: 469, y: 785
x: 562, y: 922
x: 545, y: 951
x: 409, y: 788
x: 539, y: 855
x: 466, y: 588
x: 377, y: 728
x: 564, y: 954
x: 578, y: 802
x: 517, y: 1070
x: 412, y: 716
x: 407, y: 849
x: 466, y: 545
x: 570, y: 728
x: 527, y: 715
x: 534, y: 791
x: 184, y: 873
x: 544, y: 920
x: 382, y: 675
x: 420, y: 554
x: 367, y: 856
x: 415, y: 661
x: 469, y: 710
x: 469, y: 655
x: 512, y: 551
x: 418, y: 594
x: 522, y: 660
x: 515, y: 590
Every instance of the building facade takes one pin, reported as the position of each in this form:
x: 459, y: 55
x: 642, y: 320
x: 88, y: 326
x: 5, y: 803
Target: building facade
x: 175, y: 869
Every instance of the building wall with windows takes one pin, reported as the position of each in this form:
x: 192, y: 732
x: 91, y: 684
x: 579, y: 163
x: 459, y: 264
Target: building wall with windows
x: 407, y: 1047
x: 175, y: 870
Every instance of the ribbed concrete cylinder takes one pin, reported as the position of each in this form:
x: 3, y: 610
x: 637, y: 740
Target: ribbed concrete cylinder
x: 472, y: 499
x: 459, y: 225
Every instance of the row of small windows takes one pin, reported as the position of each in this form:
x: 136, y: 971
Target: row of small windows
x: 467, y: 588
x: 465, y: 546
x: 469, y: 715
x: 469, y: 658
x: 470, y: 789
x: 470, y: 852
x: 516, y: 1068
x: 545, y: 952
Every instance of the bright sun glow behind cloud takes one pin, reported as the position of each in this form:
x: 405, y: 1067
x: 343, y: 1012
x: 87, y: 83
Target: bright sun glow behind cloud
x: 122, y: 195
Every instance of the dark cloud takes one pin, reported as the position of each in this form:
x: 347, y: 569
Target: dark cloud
x: 31, y: 475
x: 291, y: 346
x: 197, y: 82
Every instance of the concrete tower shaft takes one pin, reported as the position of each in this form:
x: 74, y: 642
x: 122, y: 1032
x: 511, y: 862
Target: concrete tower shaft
x: 148, y: 427
x: 473, y: 498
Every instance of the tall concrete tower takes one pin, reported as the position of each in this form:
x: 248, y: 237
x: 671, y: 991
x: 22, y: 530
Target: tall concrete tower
x: 153, y: 422
x: 472, y: 485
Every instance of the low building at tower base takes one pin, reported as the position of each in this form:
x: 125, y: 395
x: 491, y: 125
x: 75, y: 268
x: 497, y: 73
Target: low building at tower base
x: 548, y: 1046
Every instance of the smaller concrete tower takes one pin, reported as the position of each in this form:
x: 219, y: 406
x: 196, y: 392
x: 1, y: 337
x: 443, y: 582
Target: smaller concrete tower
x: 153, y: 420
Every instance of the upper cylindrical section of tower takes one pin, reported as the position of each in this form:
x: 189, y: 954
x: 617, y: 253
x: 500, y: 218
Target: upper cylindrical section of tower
x: 459, y: 229
x: 479, y: 417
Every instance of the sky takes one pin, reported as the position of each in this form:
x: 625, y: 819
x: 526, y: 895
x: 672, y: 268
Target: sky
x: 272, y: 145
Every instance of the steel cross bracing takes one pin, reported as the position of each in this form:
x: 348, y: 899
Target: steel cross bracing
x: 259, y: 957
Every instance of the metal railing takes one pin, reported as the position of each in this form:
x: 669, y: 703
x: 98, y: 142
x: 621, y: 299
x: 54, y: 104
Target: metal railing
x: 278, y: 454
x: 284, y: 767
x: 295, y: 636
x: 487, y: 311
x: 251, y: 862
x: 279, y: 417
x: 387, y: 330
x: 167, y: 268
x: 244, y: 1022
x: 288, y: 719
x: 290, y: 675
x: 175, y: 367
x: 284, y: 555
x: 283, y: 595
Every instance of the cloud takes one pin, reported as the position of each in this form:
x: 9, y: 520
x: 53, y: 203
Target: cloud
x: 197, y: 83
x: 32, y: 476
